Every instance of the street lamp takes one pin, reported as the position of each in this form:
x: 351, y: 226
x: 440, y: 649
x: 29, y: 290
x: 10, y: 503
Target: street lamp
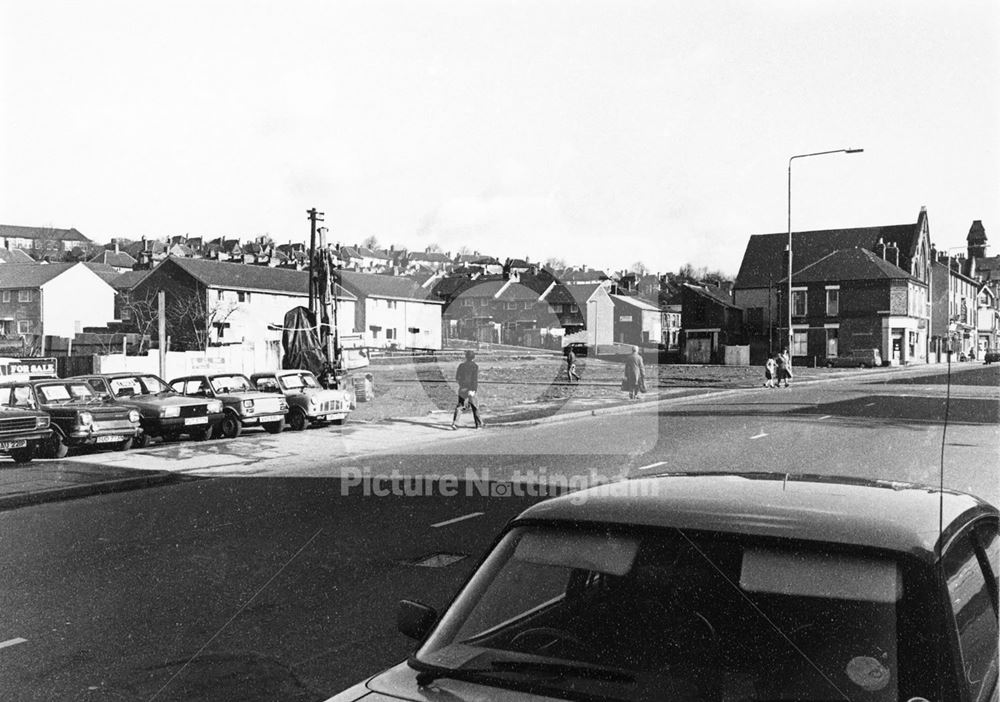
x: 817, y: 153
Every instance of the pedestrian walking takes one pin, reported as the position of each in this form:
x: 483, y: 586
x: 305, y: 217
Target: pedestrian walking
x: 784, y: 368
x: 571, y: 373
x: 635, y: 375
x: 467, y: 376
x: 770, y: 372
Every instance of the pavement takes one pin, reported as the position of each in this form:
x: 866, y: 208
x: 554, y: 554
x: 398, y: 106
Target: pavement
x: 89, y: 474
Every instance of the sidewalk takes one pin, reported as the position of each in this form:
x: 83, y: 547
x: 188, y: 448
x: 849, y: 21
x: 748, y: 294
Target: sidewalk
x: 45, y: 481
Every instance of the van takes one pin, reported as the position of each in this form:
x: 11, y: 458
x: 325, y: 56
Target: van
x: 858, y: 358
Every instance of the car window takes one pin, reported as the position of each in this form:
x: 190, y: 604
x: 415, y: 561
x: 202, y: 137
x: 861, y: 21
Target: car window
x: 21, y: 396
x: 99, y: 386
x: 194, y: 386
x: 989, y: 541
x: 223, y: 384
x: 125, y: 387
x: 975, y: 619
x: 152, y: 384
x: 54, y: 393
x: 268, y: 384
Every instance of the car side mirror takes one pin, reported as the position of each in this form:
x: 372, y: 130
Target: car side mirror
x: 415, y: 619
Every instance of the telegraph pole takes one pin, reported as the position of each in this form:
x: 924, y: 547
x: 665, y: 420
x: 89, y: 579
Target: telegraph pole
x: 314, y: 217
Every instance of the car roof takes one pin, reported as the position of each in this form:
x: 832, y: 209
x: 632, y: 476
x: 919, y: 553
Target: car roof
x: 881, y: 514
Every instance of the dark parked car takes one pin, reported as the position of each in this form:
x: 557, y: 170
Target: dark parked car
x: 720, y: 587
x: 78, y: 416
x: 992, y: 356
x: 308, y: 402
x: 22, y: 428
x: 857, y: 358
x: 165, y: 413
x: 243, y: 404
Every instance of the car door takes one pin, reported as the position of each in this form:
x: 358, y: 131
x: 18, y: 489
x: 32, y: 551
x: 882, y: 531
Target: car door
x: 970, y: 572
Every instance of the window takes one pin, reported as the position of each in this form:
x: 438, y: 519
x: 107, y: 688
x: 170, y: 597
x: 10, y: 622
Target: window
x: 528, y: 305
x: 468, y: 302
x: 24, y: 296
x: 391, y: 304
x: 374, y: 330
x: 832, y: 302
x: 832, y: 342
x: 800, y: 342
x: 6, y: 295
x: 484, y: 302
x: 975, y: 618
x: 243, y: 297
x: 799, y: 303
x: 390, y: 333
x: 24, y: 326
x: 510, y: 305
x: 574, y: 308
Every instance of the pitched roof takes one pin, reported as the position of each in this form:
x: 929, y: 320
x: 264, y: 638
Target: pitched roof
x: 712, y: 293
x: 765, y: 253
x: 385, y: 286
x: 582, y: 292
x: 635, y: 302
x: 14, y: 256
x: 119, y: 260
x: 849, y: 264
x: 129, y: 279
x: 31, y: 275
x: 106, y: 272
x: 50, y: 233
x: 239, y: 276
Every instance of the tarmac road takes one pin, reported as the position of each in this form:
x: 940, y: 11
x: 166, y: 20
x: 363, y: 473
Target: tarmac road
x: 284, y: 586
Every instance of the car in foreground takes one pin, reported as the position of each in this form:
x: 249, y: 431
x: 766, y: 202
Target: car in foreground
x: 857, y: 358
x: 23, y: 429
x: 78, y: 416
x: 243, y: 404
x: 719, y: 587
x: 164, y: 413
x: 308, y: 402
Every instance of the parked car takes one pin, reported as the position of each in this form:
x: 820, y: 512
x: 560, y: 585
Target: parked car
x: 164, y: 413
x: 719, y: 587
x: 991, y: 356
x: 308, y: 402
x: 243, y: 405
x: 77, y: 415
x: 22, y: 427
x: 857, y: 358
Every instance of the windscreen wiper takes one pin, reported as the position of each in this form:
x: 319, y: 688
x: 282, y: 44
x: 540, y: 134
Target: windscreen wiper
x: 546, y: 669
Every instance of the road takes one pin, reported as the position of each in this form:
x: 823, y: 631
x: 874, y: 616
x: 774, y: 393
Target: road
x: 273, y: 572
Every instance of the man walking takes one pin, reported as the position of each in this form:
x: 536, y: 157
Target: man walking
x: 635, y: 375
x: 467, y: 376
x: 571, y: 373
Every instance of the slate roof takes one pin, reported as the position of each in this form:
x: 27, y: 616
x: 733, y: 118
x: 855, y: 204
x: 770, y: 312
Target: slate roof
x: 239, y: 276
x: 635, y: 302
x: 106, y: 272
x: 31, y: 275
x: 988, y: 267
x: 14, y: 256
x: 119, y: 260
x: 581, y: 292
x: 429, y: 256
x: 128, y: 279
x: 50, y: 233
x: 849, y: 264
x: 384, y: 286
x: 714, y: 294
x: 765, y: 253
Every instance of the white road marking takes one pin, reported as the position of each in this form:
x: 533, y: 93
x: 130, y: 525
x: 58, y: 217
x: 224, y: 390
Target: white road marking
x: 653, y: 465
x: 759, y: 436
x: 12, y: 642
x: 457, y: 519
x: 826, y: 416
x: 869, y: 404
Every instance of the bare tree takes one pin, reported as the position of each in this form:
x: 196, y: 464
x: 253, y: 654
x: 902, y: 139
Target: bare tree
x: 191, y: 318
x: 370, y: 242
x: 139, y: 309
x: 433, y: 248
x: 555, y: 263
x: 639, y: 268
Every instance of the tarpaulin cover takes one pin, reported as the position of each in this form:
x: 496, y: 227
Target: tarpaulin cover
x: 301, y: 342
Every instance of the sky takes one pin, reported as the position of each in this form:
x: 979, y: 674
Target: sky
x: 596, y: 132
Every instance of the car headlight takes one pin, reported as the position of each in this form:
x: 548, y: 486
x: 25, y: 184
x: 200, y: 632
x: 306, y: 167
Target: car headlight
x: 85, y: 419
x: 134, y: 416
x: 313, y: 403
x: 41, y: 422
x: 248, y: 404
x: 174, y: 411
x: 214, y: 407
x: 283, y: 405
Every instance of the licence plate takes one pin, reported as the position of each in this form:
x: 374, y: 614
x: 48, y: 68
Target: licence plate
x: 195, y: 420
x: 271, y: 417
x: 112, y: 439
x: 331, y: 417
x: 16, y: 443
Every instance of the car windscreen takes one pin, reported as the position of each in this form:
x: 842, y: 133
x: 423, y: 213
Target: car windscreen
x: 65, y: 392
x: 666, y: 615
x: 231, y: 383
x: 297, y: 381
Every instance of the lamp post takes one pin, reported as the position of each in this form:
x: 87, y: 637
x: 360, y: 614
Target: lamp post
x: 817, y: 153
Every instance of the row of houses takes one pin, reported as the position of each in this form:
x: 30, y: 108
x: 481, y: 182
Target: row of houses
x: 880, y: 287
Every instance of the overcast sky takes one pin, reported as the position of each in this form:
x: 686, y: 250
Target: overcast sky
x: 597, y: 132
